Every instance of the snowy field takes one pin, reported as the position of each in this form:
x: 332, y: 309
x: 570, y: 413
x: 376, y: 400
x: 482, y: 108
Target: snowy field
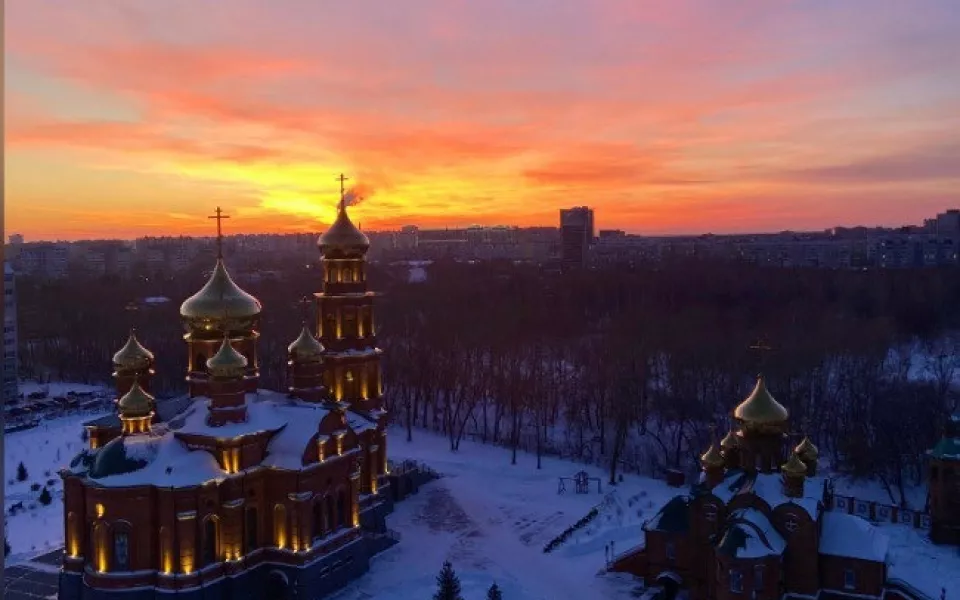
x: 491, y: 519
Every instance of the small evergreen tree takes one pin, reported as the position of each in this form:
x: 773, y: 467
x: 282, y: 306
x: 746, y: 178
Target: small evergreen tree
x: 45, y: 497
x: 6, y: 546
x: 448, y: 585
x: 494, y: 593
x: 21, y: 472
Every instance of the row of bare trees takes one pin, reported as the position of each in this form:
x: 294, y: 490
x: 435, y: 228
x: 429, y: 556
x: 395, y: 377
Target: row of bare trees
x: 625, y: 367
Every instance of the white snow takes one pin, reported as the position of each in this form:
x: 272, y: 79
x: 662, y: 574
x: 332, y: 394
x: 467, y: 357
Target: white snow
x: 262, y: 415
x: 286, y: 448
x: 172, y: 464
x: 59, y: 389
x: 769, y: 487
x: 852, y: 537
x: 771, y: 544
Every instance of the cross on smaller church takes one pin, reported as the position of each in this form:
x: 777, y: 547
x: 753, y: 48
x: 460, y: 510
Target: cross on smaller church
x: 133, y: 308
x: 343, y: 190
x: 219, y: 217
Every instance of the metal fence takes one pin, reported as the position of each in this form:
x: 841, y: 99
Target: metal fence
x: 877, y: 512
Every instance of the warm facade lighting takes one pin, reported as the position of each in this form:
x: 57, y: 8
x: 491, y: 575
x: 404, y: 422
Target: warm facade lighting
x: 100, y: 511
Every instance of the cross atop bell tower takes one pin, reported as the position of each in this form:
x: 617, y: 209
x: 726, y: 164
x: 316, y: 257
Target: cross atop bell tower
x: 343, y: 191
x: 219, y: 216
x: 761, y: 349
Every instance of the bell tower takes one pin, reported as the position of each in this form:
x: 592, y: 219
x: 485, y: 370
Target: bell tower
x: 945, y: 485
x: 346, y: 324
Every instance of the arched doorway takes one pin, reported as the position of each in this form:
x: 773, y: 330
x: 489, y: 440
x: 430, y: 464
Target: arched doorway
x: 278, y: 586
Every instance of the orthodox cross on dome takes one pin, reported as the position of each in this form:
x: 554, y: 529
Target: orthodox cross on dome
x: 343, y: 190
x: 761, y: 348
x: 219, y: 217
x: 132, y: 308
x: 304, y: 303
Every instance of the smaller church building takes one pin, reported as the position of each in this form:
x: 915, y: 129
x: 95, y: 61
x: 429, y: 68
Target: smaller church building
x: 755, y: 524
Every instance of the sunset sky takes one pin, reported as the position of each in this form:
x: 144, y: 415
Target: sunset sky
x: 133, y: 117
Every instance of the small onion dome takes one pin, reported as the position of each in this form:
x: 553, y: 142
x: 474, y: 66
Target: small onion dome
x: 220, y: 305
x: 806, y: 450
x: 136, y: 403
x: 133, y: 356
x: 794, y: 466
x: 712, y: 457
x: 343, y: 238
x: 227, y: 362
x: 306, y: 348
x: 730, y: 441
x: 760, y: 408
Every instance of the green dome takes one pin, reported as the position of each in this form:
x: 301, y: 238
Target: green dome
x: 113, y: 459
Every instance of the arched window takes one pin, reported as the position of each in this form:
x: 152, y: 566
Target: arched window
x: 253, y: 526
x: 209, y: 549
x: 791, y: 523
x: 121, y: 550
x: 317, y: 519
x: 200, y: 362
x: 73, y: 534
x: 280, y: 525
x: 332, y: 524
x: 100, y: 546
x: 710, y: 512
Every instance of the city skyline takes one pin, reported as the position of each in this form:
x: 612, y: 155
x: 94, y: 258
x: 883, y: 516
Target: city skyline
x: 688, y: 119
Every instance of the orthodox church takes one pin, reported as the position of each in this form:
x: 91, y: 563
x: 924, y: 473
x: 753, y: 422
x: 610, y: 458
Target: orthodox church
x: 755, y: 524
x: 233, y: 491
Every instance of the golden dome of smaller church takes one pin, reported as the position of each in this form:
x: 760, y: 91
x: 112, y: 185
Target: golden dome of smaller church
x: 794, y: 466
x: 136, y: 403
x: 306, y: 348
x: 712, y: 457
x: 729, y: 441
x: 220, y: 305
x: 133, y: 356
x: 343, y: 237
x: 760, y: 407
x: 227, y: 363
x: 806, y: 450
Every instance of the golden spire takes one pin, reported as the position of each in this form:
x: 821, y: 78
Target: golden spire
x: 133, y: 356
x: 729, y: 441
x: 794, y: 466
x: 343, y: 237
x: 306, y: 348
x: 136, y: 403
x: 806, y: 450
x: 712, y: 457
x: 227, y: 363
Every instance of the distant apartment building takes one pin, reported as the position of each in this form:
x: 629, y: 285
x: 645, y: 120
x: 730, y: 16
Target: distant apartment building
x: 576, y: 235
x: 44, y: 259
x: 9, y: 383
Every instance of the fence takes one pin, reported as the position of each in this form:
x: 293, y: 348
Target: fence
x: 877, y: 512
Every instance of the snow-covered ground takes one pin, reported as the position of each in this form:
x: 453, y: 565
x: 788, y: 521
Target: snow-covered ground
x: 43, y: 450
x: 491, y: 519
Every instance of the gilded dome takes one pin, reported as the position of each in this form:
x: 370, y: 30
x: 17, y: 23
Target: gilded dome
x: 306, y: 348
x: 760, y: 407
x: 806, y: 450
x: 343, y: 237
x: 794, y: 466
x: 133, y: 356
x: 136, y: 403
x: 227, y: 362
x: 729, y: 441
x: 220, y: 304
x: 712, y: 457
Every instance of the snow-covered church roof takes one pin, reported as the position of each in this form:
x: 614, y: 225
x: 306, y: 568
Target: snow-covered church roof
x: 161, y: 458
x: 749, y: 534
x: 852, y: 537
x: 769, y: 488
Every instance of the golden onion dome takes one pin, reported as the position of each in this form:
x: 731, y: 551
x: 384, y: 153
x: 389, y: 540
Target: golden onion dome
x: 133, y: 356
x: 794, y: 466
x: 227, y: 362
x: 760, y: 407
x: 306, y: 348
x: 343, y: 237
x: 729, y: 441
x: 712, y: 457
x: 136, y: 403
x: 220, y: 305
x: 806, y: 450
